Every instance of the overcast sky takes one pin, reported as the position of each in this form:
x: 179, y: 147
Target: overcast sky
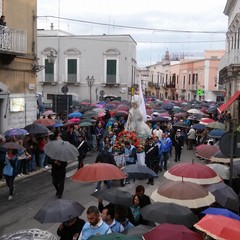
x: 144, y: 20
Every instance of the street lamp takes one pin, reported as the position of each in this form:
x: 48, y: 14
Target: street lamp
x: 90, y: 82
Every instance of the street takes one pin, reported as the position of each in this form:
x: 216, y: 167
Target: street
x: 33, y: 192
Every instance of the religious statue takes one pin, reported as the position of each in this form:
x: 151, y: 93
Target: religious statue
x: 135, y: 120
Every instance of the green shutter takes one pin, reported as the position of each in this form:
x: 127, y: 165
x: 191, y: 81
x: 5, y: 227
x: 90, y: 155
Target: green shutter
x: 49, y: 67
x: 72, y: 66
x: 111, y: 67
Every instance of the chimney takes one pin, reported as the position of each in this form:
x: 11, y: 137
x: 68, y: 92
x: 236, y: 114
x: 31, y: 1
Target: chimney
x: 51, y: 27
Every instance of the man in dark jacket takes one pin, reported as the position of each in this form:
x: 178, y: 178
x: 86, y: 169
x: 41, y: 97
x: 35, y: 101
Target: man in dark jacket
x: 105, y: 157
x: 58, y: 176
x: 151, y: 158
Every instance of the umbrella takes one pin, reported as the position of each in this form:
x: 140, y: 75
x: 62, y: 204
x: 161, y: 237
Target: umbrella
x: 58, y: 123
x: 159, y: 119
x: 15, y: 132
x: 109, y: 106
x: 98, y: 172
x: 216, y: 133
x: 85, y: 124
x: 198, y: 126
x: 123, y: 107
x: 48, y: 112
x: 194, y: 111
x: 59, y: 211
x: 75, y: 115
x: 120, y: 113
x: 138, y: 230
x: 180, y: 114
x: 114, y: 236
x: 90, y: 114
x: 192, y: 172
x: 114, y: 196
x: 61, y: 150
x: 12, y: 145
x: 36, y: 129
x: 218, y: 157
x: 47, y: 122
x: 167, y: 106
x: 222, y: 170
x: 74, y: 120
x: 206, y: 121
x: 135, y: 171
x: 186, y: 194
x: 168, y: 231
x: 99, y: 110
x: 169, y: 213
x: 225, y: 196
x: 221, y: 211
x: 216, y: 125
x: 219, y: 227
x: 29, y: 234
x: 206, y: 151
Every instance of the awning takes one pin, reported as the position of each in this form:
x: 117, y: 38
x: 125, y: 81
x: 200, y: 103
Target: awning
x: 229, y: 102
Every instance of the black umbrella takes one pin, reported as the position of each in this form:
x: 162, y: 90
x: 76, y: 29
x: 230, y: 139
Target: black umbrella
x: 59, y: 211
x: 159, y: 119
x: 35, y: 128
x: 169, y: 213
x: 61, y: 150
x: 114, y: 196
x: 225, y: 196
x: 138, y: 230
x: 135, y: 171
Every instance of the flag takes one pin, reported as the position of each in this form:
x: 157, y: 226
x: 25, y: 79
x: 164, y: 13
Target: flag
x: 142, y: 105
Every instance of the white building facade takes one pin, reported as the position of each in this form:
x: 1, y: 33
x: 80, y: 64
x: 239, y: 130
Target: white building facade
x: 109, y: 59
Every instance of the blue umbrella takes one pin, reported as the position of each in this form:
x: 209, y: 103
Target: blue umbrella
x: 168, y: 106
x: 15, y: 132
x: 199, y: 126
x: 221, y: 211
x: 216, y: 133
x: 75, y: 115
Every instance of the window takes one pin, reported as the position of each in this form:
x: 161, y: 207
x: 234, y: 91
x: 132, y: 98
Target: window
x: 111, y: 71
x: 184, y: 81
x: 49, y: 71
x: 72, y: 70
x: 189, y: 78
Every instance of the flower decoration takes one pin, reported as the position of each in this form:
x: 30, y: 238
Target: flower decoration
x: 132, y: 138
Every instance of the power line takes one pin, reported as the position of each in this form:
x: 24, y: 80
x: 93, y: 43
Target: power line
x: 133, y: 27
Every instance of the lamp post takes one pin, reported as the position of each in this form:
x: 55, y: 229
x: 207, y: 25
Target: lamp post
x: 90, y: 82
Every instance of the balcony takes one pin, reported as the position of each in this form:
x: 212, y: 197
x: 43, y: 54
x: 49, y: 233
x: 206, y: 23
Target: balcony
x: 156, y: 86
x: 230, y: 58
x: 111, y: 80
x: 72, y: 78
x: 170, y: 85
x: 150, y: 84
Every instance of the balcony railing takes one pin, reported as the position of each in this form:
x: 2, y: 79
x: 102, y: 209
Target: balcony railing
x: 13, y: 40
x: 171, y: 85
x: 49, y: 77
x: 72, y: 78
x: 230, y: 58
x: 111, y: 79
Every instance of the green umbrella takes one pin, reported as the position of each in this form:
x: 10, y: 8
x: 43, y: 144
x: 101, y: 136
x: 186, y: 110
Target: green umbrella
x: 85, y: 124
x: 114, y: 236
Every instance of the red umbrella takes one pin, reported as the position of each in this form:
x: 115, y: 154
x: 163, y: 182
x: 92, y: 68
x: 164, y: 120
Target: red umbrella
x: 206, y: 151
x: 219, y: 227
x: 98, y: 172
x: 168, y: 231
x: 74, y: 120
x: 48, y: 112
x: 47, y: 122
x: 192, y: 172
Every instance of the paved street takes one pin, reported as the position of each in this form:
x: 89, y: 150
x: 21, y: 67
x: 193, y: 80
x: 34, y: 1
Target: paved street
x: 33, y: 192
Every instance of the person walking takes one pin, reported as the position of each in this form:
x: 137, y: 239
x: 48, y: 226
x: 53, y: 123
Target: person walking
x: 191, y: 136
x: 178, y: 145
x: 151, y: 157
x: 58, y: 176
x: 95, y: 225
x: 9, y: 170
x: 82, y: 148
x: 166, y: 144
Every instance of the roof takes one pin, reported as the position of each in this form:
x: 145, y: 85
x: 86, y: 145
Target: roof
x: 229, y: 102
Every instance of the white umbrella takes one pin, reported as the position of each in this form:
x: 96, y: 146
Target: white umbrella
x: 194, y: 111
